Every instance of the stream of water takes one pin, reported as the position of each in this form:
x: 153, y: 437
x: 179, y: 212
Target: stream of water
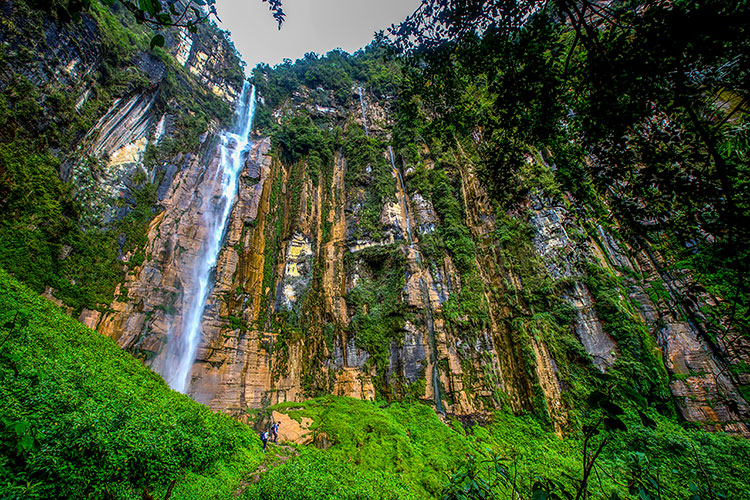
x: 234, y: 143
x: 429, y: 322
x: 362, y: 105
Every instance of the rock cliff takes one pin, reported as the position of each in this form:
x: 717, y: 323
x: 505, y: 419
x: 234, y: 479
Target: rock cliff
x: 336, y: 276
x: 354, y: 262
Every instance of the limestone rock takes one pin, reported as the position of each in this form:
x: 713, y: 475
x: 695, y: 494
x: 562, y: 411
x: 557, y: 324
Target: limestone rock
x: 293, y: 431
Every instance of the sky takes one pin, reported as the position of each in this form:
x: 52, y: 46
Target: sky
x: 310, y: 26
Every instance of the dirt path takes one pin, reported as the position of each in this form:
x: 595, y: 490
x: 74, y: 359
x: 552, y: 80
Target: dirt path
x: 276, y: 454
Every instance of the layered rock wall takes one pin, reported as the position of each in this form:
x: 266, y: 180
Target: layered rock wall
x: 311, y: 299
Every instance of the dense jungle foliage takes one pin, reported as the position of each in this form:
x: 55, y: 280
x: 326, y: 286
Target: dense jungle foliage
x: 631, y: 115
x: 80, y: 418
x: 640, y: 108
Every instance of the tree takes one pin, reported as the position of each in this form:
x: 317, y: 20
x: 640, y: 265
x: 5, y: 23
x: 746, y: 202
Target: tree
x: 158, y: 14
x: 641, y: 105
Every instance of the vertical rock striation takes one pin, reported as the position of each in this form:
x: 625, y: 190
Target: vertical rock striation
x: 329, y: 281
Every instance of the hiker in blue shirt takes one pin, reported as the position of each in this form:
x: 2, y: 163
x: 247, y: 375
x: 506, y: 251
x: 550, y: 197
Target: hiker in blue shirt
x: 275, y: 431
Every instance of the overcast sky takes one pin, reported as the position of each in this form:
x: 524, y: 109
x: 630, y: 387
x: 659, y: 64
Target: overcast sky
x: 310, y: 26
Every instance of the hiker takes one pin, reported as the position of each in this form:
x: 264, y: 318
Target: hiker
x: 264, y: 438
x: 275, y: 431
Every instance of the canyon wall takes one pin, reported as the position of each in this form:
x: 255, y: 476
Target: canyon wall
x: 349, y: 265
x: 321, y: 290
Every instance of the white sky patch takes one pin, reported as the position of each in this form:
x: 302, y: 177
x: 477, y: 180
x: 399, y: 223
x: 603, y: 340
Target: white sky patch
x: 310, y: 26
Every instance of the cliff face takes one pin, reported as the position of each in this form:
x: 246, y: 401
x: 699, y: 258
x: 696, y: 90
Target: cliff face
x: 332, y: 279
x: 347, y: 266
x: 114, y: 122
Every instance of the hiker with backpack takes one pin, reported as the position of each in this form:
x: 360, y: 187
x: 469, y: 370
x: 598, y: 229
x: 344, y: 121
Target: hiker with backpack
x: 264, y: 437
x: 275, y: 431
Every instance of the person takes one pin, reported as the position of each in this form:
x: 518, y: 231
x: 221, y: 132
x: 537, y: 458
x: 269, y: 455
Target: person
x: 264, y: 438
x: 275, y: 431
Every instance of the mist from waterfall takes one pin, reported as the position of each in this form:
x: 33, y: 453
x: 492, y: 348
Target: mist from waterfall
x: 183, y: 348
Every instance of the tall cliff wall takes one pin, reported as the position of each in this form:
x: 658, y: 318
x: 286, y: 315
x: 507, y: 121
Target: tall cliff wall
x: 353, y: 269
x: 358, y: 260
x: 95, y: 126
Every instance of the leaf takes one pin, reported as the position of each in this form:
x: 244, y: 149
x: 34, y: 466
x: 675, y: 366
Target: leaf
x: 27, y: 443
x: 643, y: 494
x: 157, y: 41
x: 633, y: 395
x: 595, y: 398
x: 147, y: 6
x: 615, y: 424
x: 611, y: 408
x: 21, y: 427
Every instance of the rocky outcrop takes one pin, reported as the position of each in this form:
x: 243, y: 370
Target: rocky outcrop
x: 64, y: 54
x: 561, y: 256
x: 703, y: 386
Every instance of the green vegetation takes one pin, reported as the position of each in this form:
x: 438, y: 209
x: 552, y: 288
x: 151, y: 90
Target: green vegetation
x: 59, y: 233
x: 79, y: 417
x: 409, y: 453
x: 624, y: 123
x: 376, y: 303
x: 329, y: 79
x: 315, y: 475
x: 628, y: 115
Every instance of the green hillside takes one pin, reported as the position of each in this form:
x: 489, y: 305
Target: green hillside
x: 83, y: 419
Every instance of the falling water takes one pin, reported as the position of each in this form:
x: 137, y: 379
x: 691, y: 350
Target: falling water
x: 403, y: 195
x: 429, y: 321
x: 362, y: 105
x: 234, y: 143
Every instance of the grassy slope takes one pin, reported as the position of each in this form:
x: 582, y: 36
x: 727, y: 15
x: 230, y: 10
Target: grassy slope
x: 79, y: 417
x: 407, y: 452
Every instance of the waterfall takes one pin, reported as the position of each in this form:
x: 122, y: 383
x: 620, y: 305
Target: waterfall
x: 429, y: 320
x: 362, y: 105
x: 182, y: 350
x: 402, y: 186
x: 161, y: 127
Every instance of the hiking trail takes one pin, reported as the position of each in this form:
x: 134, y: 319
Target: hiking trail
x: 276, y: 454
